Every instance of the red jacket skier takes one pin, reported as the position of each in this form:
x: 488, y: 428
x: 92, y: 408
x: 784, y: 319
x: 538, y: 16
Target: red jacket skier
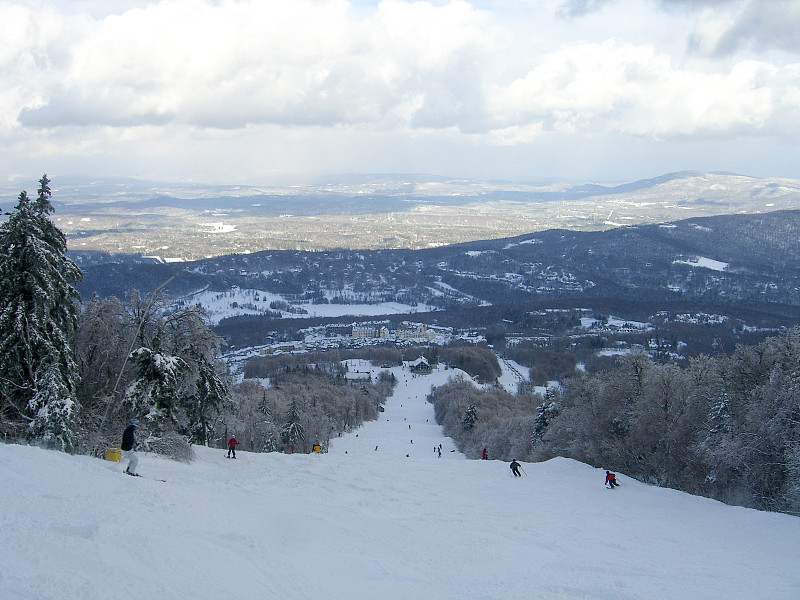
x: 232, y: 443
x: 611, y: 480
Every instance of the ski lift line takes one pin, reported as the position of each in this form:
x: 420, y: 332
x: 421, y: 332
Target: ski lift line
x: 150, y: 302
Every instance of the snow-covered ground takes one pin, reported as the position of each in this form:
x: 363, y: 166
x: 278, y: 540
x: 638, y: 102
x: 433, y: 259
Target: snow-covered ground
x: 513, y: 374
x: 408, y: 425
x: 357, y: 523
x: 702, y: 261
x: 237, y: 302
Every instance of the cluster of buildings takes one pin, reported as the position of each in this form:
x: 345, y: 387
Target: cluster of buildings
x: 416, y: 332
x: 365, y: 334
x: 362, y: 370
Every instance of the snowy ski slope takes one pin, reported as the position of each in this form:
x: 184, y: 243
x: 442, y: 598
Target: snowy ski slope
x: 357, y: 523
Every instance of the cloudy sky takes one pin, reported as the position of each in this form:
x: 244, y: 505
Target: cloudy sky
x: 251, y: 91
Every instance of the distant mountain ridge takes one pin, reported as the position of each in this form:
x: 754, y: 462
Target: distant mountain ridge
x: 728, y: 259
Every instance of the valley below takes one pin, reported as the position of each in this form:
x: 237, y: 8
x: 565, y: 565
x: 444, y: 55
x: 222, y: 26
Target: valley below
x: 188, y: 222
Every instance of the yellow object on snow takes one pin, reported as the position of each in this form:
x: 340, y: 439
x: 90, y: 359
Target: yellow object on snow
x: 114, y: 454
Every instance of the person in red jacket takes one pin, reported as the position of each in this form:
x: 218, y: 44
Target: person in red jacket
x: 611, y: 480
x: 232, y: 443
x: 485, y: 455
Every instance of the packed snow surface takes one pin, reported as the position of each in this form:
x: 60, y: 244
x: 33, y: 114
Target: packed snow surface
x: 398, y: 522
x: 708, y: 263
x: 238, y: 301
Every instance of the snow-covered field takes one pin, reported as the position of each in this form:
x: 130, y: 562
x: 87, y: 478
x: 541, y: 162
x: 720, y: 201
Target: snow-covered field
x: 237, y: 302
x: 360, y: 523
x: 706, y: 263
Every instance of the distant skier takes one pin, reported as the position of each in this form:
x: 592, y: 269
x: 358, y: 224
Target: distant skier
x: 515, y: 468
x: 611, y: 480
x: 232, y: 443
x: 128, y: 446
x: 485, y: 455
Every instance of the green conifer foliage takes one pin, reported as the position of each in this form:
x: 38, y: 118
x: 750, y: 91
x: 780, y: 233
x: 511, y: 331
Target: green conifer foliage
x: 39, y: 308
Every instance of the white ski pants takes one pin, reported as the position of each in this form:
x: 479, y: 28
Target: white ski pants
x: 132, y: 459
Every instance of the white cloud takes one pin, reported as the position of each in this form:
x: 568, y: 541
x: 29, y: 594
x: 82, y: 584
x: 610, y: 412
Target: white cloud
x: 616, y: 86
x: 231, y: 64
x: 127, y: 81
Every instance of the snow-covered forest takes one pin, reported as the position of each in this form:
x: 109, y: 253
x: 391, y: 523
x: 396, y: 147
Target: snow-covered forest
x: 727, y: 427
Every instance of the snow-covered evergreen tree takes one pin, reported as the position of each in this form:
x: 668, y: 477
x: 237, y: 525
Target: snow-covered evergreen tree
x: 268, y: 443
x: 39, y: 308
x: 545, y: 413
x: 470, y: 416
x: 165, y: 361
x: 292, y: 432
x: 211, y: 393
x: 154, y: 393
x: 267, y: 425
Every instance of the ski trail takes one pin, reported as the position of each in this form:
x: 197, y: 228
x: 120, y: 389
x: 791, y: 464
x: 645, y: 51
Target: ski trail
x: 349, y: 526
x: 408, y: 425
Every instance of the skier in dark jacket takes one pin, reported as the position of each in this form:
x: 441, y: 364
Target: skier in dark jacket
x: 611, y: 480
x: 515, y: 468
x: 128, y: 446
x: 232, y: 443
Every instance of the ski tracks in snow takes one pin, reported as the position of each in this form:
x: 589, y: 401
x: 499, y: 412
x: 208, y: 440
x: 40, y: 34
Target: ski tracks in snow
x: 408, y: 424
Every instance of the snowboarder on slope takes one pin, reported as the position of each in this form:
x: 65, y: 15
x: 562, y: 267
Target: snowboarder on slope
x: 128, y: 446
x: 611, y: 480
x: 232, y: 443
x: 485, y: 455
x: 515, y: 468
